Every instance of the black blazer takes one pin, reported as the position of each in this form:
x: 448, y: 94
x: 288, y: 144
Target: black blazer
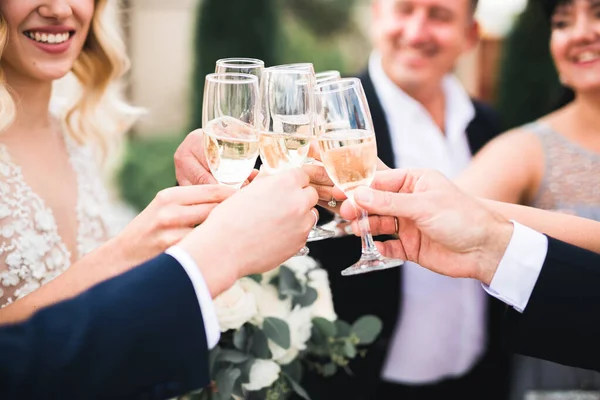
x: 561, y: 322
x: 136, y: 336
x: 379, y: 293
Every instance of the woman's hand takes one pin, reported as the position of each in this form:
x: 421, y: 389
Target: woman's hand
x: 172, y: 214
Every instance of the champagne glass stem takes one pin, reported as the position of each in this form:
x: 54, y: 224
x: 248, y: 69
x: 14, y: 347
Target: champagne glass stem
x: 368, y: 245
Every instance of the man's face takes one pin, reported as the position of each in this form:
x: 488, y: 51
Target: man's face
x: 421, y: 40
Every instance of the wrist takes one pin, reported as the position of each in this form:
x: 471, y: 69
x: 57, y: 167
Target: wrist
x: 218, y: 270
x: 493, y: 249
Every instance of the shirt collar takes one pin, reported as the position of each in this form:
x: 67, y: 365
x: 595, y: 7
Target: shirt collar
x: 459, y: 107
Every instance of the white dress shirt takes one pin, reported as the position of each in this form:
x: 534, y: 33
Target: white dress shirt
x: 519, y: 268
x: 442, y: 322
x: 209, y: 316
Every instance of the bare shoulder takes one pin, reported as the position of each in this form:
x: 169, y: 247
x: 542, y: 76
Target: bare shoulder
x: 520, y: 140
x: 507, y: 169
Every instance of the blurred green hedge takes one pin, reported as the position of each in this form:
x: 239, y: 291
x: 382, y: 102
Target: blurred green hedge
x: 147, y: 168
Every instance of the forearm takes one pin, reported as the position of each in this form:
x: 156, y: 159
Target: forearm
x: 101, y: 264
x: 575, y: 230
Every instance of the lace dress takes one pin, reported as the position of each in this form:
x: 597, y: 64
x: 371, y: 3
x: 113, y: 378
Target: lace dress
x: 32, y: 252
x: 570, y: 184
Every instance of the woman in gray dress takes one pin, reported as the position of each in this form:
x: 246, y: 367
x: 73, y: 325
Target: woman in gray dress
x: 553, y: 164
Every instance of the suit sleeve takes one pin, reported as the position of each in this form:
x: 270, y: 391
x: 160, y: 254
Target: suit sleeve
x: 561, y: 322
x: 137, y: 336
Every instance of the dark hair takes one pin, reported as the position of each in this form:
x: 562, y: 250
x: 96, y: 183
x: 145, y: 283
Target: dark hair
x: 566, y: 94
x: 474, y: 4
x: 549, y: 6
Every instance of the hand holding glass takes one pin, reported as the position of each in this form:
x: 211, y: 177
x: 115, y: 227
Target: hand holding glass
x: 229, y: 122
x: 349, y: 152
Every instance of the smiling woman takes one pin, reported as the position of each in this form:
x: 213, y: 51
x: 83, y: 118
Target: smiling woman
x: 54, y: 206
x: 50, y: 220
x: 552, y: 163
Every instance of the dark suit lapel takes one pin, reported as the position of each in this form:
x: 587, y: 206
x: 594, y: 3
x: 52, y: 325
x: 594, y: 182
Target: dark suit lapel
x: 484, y: 127
x: 382, y: 132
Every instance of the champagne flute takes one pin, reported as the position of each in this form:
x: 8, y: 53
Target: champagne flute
x: 349, y: 152
x: 240, y: 65
x: 286, y: 129
x: 327, y: 76
x: 229, y: 122
x: 338, y: 224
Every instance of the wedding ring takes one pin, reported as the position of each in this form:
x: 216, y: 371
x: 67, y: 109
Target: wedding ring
x: 397, y: 226
x: 316, y: 217
x: 332, y: 203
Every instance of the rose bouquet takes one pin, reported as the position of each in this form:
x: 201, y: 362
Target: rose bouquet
x: 276, y: 325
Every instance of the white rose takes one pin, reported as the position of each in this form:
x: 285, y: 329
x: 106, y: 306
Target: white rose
x: 263, y: 373
x: 267, y: 299
x: 300, y: 324
x: 234, y: 307
x: 323, y: 306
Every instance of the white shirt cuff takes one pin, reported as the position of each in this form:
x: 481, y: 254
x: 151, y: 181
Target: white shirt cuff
x: 209, y: 316
x: 519, y: 268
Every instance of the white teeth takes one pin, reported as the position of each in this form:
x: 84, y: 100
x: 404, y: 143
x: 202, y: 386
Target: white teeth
x: 588, y: 56
x: 48, y: 37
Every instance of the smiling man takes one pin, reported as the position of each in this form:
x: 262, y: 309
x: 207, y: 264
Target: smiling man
x: 437, y: 341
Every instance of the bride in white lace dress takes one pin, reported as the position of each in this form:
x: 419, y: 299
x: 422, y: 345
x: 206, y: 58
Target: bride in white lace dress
x: 54, y: 207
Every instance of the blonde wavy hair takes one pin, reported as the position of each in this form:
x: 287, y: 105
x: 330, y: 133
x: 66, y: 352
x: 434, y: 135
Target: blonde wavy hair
x: 95, y: 111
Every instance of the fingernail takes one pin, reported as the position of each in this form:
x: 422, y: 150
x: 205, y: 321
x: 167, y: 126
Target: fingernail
x: 363, y: 195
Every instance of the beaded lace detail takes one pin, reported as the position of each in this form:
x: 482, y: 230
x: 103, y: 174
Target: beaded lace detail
x: 32, y: 252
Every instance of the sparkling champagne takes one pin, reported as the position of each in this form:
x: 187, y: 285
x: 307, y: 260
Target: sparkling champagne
x: 279, y: 151
x: 231, y: 150
x: 294, y: 132
x: 350, y: 157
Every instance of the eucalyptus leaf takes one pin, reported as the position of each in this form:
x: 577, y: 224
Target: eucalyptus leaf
x: 325, y: 326
x: 349, y: 350
x: 255, y: 277
x: 343, y: 328
x: 317, y: 336
x: 367, y: 328
x: 237, y: 388
x: 212, y: 359
x: 320, y: 350
x: 278, y: 331
x: 329, y: 369
x: 245, y: 369
x: 294, y: 370
x: 289, y: 285
x: 306, y: 299
x: 259, y: 345
x: 240, y: 338
x: 299, y: 390
x: 225, y: 381
x: 232, y: 356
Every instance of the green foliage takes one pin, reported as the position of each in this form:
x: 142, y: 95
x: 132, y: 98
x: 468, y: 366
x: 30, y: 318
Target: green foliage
x: 231, y: 28
x: 147, y: 168
x: 528, y: 83
x: 278, y: 331
x: 334, y: 344
x: 323, y: 17
x: 299, y: 44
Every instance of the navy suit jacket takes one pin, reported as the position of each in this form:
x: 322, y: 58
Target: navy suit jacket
x: 561, y: 322
x: 137, y: 336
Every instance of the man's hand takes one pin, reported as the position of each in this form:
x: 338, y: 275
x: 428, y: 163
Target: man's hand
x: 440, y: 227
x: 255, y: 230
x: 319, y: 179
x: 191, y: 167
